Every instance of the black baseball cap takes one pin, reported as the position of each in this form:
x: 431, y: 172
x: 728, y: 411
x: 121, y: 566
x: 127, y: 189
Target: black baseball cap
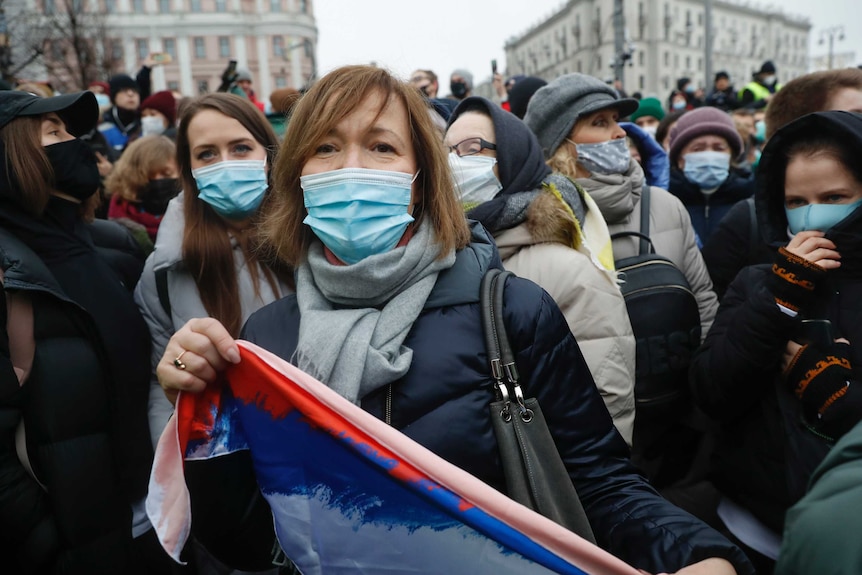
x: 79, y: 111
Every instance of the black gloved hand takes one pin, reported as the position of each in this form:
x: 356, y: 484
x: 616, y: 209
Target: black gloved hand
x: 793, y: 279
x: 821, y: 379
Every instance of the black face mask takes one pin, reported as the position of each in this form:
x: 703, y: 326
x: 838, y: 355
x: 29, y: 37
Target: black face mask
x: 459, y: 89
x: 157, y: 193
x: 76, y: 171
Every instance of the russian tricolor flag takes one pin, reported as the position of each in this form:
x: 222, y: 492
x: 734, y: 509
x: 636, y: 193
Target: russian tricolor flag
x: 350, y: 494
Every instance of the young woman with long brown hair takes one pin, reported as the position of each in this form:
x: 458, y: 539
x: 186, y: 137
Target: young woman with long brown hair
x: 206, y: 262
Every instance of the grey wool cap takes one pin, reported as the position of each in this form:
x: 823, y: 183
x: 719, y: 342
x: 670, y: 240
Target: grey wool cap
x: 554, y: 109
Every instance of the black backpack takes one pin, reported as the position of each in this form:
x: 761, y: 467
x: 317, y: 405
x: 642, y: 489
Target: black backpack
x: 666, y: 324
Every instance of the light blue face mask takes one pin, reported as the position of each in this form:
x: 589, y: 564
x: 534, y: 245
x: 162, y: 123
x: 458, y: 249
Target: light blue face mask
x: 357, y: 212
x: 760, y: 131
x: 821, y: 217
x: 707, y: 170
x: 607, y: 158
x: 234, y: 189
x: 103, y: 100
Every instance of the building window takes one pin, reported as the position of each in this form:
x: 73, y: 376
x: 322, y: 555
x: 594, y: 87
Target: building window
x: 598, y: 62
x: 303, y: 6
x: 110, y: 6
x: 641, y: 82
x: 667, y: 58
x: 174, y: 86
x: 138, y: 6
x: 142, y: 47
x: 221, y: 6
x: 278, y: 46
x: 640, y: 58
x: 200, y: 49
x: 579, y: 67
x: 49, y: 7
x: 196, y: 7
x: 170, y: 47
x: 275, y: 6
x: 165, y: 6
x: 203, y: 86
x: 280, y: 82
x: 116, y: 51
x: 688, y: 62
x: 676, y: 61
x: 223, y: 47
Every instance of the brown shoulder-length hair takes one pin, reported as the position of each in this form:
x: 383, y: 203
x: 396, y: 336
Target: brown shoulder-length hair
x: 30, y: 174
x: 139, y: 161
x: 329, y: 101
x: 807, y: 94
x: 207, y: 251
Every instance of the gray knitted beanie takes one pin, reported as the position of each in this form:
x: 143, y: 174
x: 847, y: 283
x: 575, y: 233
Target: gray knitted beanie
x: 554, y: 109
x: 468, y: 77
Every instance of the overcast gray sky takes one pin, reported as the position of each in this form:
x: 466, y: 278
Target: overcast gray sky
x: 442, y: 35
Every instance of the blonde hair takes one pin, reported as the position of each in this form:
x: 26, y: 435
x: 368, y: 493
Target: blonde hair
x: 565, y: 161
x: 141, y: 159
x: 330, y: 100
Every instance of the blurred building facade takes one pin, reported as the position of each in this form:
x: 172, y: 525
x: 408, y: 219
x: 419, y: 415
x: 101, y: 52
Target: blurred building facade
x: 275, y: 40
x: 666, y: 40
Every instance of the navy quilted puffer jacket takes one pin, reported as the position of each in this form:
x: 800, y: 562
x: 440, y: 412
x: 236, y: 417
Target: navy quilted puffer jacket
x: 443, y: 400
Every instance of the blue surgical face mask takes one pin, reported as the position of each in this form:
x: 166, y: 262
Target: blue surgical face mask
x: 475, y: 181
x: 103, y: 100
x: 707, y: 170
x: 356, y: 212
x: 611, y: 157
x: 760, y: 130
x: 234, y: 189
x: 819, y: 217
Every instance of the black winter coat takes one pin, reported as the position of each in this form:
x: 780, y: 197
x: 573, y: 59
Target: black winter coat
x: 707, y: 211
x: 71, y: 407
x: 766, y: 451
x: 733, y: 245
x: 442, y: 403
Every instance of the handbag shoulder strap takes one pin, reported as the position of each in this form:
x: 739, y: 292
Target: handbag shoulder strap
x: 500, y: 354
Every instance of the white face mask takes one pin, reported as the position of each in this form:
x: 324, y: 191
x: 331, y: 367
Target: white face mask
x: 768, y: 80
x: 152, y: 126
x: 475, y: 181
x: 651, y: 130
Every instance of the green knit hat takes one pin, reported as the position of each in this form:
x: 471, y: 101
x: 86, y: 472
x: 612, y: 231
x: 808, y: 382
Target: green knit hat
x: 649, y: 107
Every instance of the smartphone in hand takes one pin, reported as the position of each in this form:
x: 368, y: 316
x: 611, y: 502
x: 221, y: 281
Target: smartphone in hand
x: 494, y: 67
x: 816, y: 332
x: 161, y: 58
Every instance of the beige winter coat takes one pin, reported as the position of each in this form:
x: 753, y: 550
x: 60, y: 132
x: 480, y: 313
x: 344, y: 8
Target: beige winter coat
x: 540, y: 250
x: 618, y: 197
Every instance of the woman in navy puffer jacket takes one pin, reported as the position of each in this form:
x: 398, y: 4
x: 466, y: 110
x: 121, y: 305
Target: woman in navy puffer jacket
x: 426, y: 347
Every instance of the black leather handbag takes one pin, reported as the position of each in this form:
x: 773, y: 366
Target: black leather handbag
x: 535, y: 474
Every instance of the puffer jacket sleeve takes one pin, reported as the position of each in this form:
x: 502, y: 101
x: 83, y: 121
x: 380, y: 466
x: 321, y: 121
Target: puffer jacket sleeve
x: 628, y: 517
x: 741, y: 356
x: 695, y: 271
x: 161, y: 329
x: 595, y: 312
x: 29, y: 540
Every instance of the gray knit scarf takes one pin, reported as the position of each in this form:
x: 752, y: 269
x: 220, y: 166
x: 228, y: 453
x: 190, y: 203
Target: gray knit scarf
x: 514, y: 210
x: 355, y: 318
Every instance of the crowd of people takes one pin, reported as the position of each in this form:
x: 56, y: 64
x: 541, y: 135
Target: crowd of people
x: 346, y: 229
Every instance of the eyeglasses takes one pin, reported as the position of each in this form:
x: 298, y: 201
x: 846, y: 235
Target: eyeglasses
x: 472, y: 146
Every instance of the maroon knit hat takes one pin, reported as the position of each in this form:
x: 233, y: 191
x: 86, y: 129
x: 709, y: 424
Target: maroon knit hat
x: 701, y: 122
x: 162, y: 102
